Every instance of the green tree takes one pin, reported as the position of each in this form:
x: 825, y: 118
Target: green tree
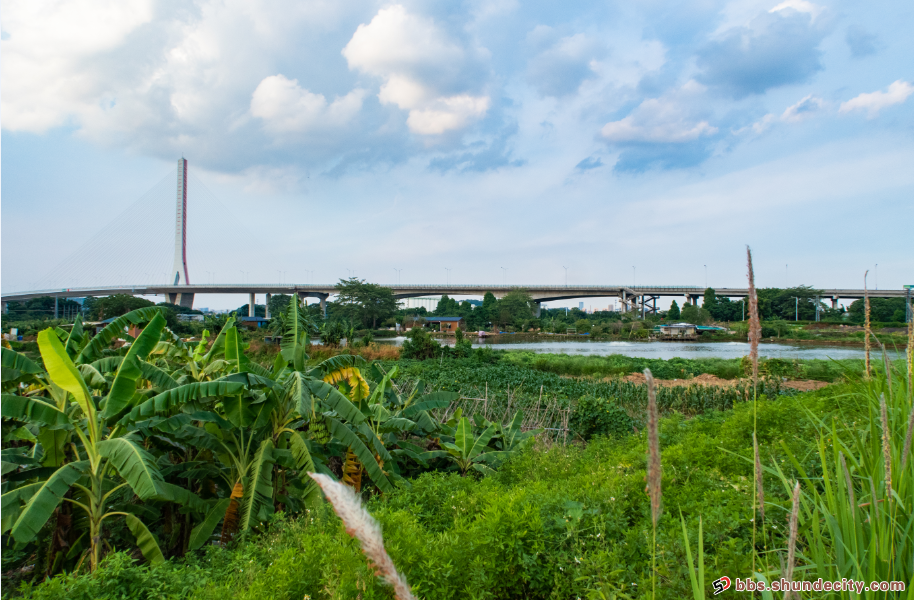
x: 364, y: 302
x: 881, y: 309
x: 116, y: 305
x: 447, y: 307
x: 489, y: 308
x: 673, y: 313
x: 689, y: 313
x: 517, y: 305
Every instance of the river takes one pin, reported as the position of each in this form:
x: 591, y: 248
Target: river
x: 667, y: 350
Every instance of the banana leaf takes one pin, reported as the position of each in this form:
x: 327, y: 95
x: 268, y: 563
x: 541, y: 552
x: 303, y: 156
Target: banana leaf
x: 134, y: 464
x: 31, y: 410
x: 260, y: 494
x: 204, y: 530
x: 124, y: 385
x: 183, y: 394
x: 63, y: 372
x: 45, y: 499
x: 333, y: 399
x: 14, y: 365
x: 348, y: 438
x: 114, y: 330
x: 145, y: 540
x: 75, y: 337
x: 157, y: 377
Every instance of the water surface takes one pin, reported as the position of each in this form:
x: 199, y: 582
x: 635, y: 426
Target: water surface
x: 666, y: 350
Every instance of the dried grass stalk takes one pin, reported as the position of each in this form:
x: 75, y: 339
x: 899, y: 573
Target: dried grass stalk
x: 362, y: 526
x: 886, y: 447
x: 907, y: 441
x: 850, y: 485
x: 910, y: 355
x: 792, y: 539
x: 653, y: 465
x: 886, y: 363
x: 760, y: 490
x: 866, y: 325
x: 755, y: 326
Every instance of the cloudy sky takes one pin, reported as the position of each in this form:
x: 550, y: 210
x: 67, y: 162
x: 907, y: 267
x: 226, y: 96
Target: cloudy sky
x: 647, y: 141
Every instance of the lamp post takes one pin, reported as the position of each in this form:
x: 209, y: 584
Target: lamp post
x: 796, y: 314
x: 633, y: 276
x: 504, y: 273
x: 706, y: 276
x: 566, y: 276
x: 877, y: 276
x: 448, y: 275
x: 398, y: 274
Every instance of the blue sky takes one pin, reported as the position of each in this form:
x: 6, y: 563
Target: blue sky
x: 470, y: 136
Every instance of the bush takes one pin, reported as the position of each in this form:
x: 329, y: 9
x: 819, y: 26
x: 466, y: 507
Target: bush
x: 419, y: 345
x: 596, y: 416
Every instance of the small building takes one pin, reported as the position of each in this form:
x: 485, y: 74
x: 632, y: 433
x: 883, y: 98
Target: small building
x: 447, y: 324
x: 677, y: 331
x: 253, y: 322
x: 190, y: 317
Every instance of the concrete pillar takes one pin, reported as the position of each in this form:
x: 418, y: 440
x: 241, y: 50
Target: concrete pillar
x: 251, y: 309
x: 324, y: 306
x: 268, y: 305
x: 6, y: 308
x: 181, y: 299
x: 536, y: 309
x: 834, y: 302
x: 55, y: 307
x: 624, y: 301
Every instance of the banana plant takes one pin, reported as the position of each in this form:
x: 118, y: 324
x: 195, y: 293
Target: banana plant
x: 469, y: 451
x: 106, y: 460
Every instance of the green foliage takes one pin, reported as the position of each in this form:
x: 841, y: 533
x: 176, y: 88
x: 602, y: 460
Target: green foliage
x: 364, y: 303
x: 673, y: 314
x: 419, y: 345
x: 570, y: 520
x: 598, y: 417
x: 881, y: 309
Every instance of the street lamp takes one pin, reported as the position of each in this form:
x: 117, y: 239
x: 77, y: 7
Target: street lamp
x: 633, y: 276
x: 504, y: 273
x: 877, y: 276
x: 448, y: 275
x: 796, y: 314
x: 706, y: 276
x: 398, y: 274
x: 566, y: 276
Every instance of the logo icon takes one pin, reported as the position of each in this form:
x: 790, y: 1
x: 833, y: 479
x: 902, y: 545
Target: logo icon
x: 721, y: 584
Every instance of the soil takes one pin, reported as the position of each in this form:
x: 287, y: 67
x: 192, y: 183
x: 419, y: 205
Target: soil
x: 708, y: 379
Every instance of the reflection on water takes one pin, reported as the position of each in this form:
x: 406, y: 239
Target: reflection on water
x: 665, y: 350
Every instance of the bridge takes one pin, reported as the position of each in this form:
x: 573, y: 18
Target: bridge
x: 177, y: 288
x: 633, y: 298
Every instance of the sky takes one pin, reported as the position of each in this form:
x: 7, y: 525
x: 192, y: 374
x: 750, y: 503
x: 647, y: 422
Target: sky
x: 472, y: 142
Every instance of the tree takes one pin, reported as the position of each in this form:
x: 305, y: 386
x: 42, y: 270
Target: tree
x: 489, y: 308
x: 365, y: 302
x: 447, y: 307
x: 881, y: 310
x: 517, y: 305
x: 673, y: 313
x: 116, y: 305
x: 689, y: 313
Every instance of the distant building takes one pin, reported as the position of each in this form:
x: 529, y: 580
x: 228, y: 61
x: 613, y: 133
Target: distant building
x: 580, y: 306
x: 448, y: 324
x: 253, y: 322
x: 190, y: 317
x: 429, y: 303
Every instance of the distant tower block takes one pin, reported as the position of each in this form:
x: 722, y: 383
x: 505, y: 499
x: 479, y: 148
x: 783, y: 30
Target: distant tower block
x: 179, y: 271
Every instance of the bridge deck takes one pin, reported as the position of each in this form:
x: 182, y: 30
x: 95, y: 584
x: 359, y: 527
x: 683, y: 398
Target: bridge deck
x: 539, y: 292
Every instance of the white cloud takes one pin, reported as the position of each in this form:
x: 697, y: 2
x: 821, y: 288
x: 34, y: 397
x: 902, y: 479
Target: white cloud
x: 285, y: 106
x: 803, y: 6
x: 873, y: 102
x: 421, y: 67
x: 657, y: 120
x: 42, y: 79
x: 805, y: 108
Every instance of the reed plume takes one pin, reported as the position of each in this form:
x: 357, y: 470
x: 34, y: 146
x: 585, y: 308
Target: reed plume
x: 907, y: 441
x: 910, y: 355
x: 653, y: 470
x: 653, y: 465
x: 361, y: 525
x: 755, y: 326
x: 885, y: 362
x: 886, y: 447
x: 866, y: 324
x: 792, y: 539
x: 759, y: 489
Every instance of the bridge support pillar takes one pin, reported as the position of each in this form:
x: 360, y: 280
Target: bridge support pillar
x: 269, y: 297
x: 252, y: 307
x: 623, y: 298
x: 181, y: 299
x: 834, y: 302
x: 537, y: 309
x: 324, y: 306
x: 6, y: 308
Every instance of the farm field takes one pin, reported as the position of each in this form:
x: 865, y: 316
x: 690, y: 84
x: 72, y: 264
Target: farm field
x: 171, y: 469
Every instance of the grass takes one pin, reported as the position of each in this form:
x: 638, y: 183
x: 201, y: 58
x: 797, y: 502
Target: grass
x: 562, y: 522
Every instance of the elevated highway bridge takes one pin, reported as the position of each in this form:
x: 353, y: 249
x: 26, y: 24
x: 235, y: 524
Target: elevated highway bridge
x: 641, y: 298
